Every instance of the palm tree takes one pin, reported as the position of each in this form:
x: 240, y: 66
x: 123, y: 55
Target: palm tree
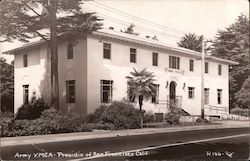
x: 141, y: 85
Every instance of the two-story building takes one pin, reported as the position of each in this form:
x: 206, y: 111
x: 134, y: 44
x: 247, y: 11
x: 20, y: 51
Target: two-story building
x: 93, y: 70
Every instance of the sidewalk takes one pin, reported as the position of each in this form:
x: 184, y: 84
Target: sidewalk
x: 22, y: 140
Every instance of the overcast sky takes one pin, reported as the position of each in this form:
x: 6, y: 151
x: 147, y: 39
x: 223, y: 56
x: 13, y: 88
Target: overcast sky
x: 167, y: 19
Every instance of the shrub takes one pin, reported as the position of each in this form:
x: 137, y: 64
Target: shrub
x: 148, y: 118
x: 241, y: 112
x: 173, y: 117
x: 200, y: 120
x: 31, y: 110
x: 6, y: 124
x: 100, y: 126
x: 121, y: 114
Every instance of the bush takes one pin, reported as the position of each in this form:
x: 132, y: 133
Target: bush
x: 100, y: 126
x: 31, y: 110
x: 173, y: 117
x: 148, y: 118
x: 200, y: 120
x: 6, y: 124
x: 50, y: 122
x: 121, y: 114
x: 241, y: 112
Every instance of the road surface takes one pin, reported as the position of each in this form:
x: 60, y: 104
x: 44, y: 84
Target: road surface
x: 197, y: 144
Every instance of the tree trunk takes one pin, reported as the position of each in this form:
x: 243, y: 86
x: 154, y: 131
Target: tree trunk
x: 54, y: 57
x: 140, y: 105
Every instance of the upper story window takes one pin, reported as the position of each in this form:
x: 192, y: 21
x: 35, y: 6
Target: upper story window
x: 25, y: 94
x: 106, y: 51
x: 219, y: 96
x: 70, y: 51
x: 190, y: 92
x: 155, y: 99
x: 25, y: 60
x: 106, y: 91
x: 155, y: 59
x: 70, y: 91
x: 174, y: 62
x: 191, y: 65
x: 206, y: 67
x: 132, y: 55
x: 219, y: 69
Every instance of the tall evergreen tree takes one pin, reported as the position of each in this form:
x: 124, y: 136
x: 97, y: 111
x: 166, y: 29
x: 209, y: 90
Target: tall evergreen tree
x: 191, y: 41
x: 7, y: 86
x: 21, y: 20
x: 233, y: 43
x: 130, y: 30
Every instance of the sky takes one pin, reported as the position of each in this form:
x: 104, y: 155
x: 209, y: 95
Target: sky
x: 167, y: 19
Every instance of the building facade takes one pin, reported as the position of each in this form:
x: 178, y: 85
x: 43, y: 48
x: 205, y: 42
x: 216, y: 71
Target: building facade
x: 93, y: 70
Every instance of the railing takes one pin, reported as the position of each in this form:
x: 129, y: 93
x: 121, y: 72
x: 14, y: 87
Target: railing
x: 177, y: 102
x: 216, y: 109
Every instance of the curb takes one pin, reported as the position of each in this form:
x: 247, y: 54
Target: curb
x: 38, y: 139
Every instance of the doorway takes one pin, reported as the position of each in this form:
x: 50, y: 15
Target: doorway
x: 172, y: 90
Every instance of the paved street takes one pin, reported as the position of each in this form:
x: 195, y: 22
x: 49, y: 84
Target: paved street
x: 157, y: 144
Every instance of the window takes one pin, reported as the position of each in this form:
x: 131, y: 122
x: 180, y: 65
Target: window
x: 190, y: 92
x: 155, y: 59
x: 106, y: 51
x: 106, y: 91
x: 70, y: 51
x: 219, y: 69
x: 155, y: 99
x: 191, y: 65
x: 70, y: 91
x: 25, y: 60
x: 132, y: 55
x: 206, y: 67
x: 174, y: 62
x: 219, y: 96
x: 206, y: 93
x: 25, y: 94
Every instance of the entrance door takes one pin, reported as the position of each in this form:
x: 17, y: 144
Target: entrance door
x: 172, y: 95
x: 172, y: 91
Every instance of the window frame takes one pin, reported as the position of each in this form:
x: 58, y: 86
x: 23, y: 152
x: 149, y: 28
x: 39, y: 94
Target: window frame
x: 219, y: 96
x: 191, y: 65
x: 110, y: 90
x: 155, y: 58
x: 155, y: 99
x: 219, y: 69
x: 206, y: 67
x: 106, y: 48
x: 25, y: 60
x: 70, y: 51
x: 25, y: 94
x: 69, y: 98
x: 191, y: 92
x: 133, y: 53
x: 174, y: 62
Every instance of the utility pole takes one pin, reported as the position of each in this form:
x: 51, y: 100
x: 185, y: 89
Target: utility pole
x: 202, y: 79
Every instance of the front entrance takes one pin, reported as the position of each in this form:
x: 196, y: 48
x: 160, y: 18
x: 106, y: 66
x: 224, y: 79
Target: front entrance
x: 172, y: 94
x: 172, y: 90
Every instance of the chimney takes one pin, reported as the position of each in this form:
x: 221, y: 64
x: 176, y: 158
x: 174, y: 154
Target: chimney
x: 111, y: 28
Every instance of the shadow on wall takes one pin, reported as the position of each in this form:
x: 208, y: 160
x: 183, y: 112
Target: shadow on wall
x: 45, y: 84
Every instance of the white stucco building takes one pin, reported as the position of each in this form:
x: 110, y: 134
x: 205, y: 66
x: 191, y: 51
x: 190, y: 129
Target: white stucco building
x: 92, y: 71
